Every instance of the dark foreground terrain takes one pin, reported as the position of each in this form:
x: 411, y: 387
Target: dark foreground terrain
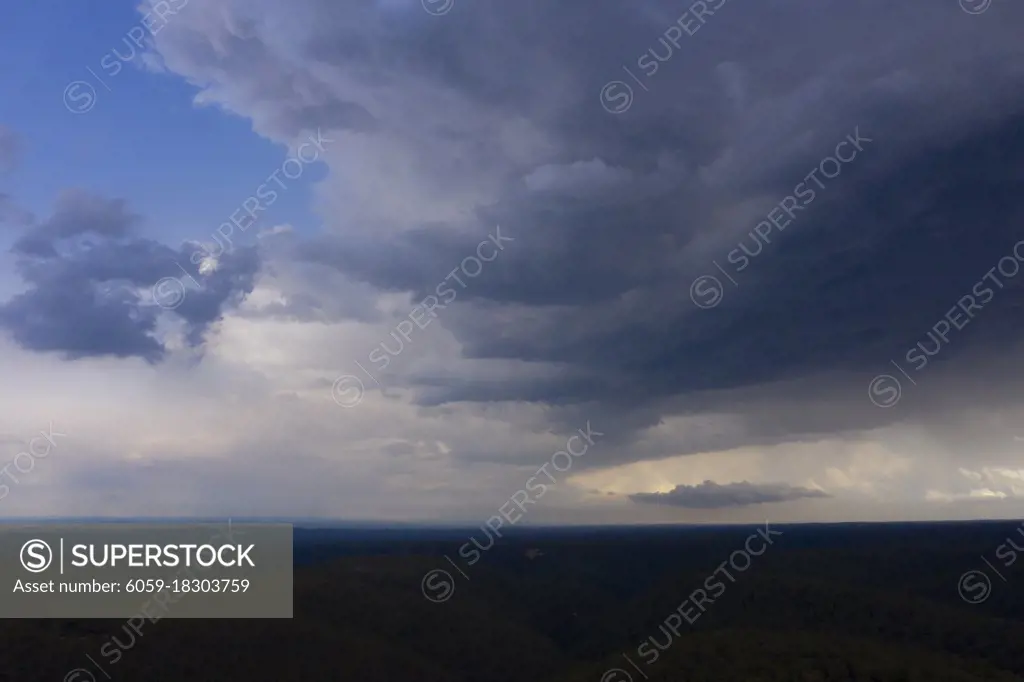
x: 827, y: 602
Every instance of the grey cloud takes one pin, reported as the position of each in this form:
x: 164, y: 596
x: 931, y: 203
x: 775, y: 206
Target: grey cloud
x: 857, y: 280
x: 78, y: 320
x: 711, y: 495
x: 615, y: 216
x: 225, y: 287
x: 309, y: 292
x: 90, y: 284
x: 338, y: 116
x: 78, y: 213
x: 233, y: 38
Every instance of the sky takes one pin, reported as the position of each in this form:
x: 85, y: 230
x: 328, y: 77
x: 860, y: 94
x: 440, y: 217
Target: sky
x: 578, y: 262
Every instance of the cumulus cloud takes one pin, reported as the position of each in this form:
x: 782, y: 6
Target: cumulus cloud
x: 77, y: 214
x: 94, y: 286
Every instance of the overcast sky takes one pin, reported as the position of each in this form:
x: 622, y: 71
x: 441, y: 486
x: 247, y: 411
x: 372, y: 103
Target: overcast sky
x: 382, y: 259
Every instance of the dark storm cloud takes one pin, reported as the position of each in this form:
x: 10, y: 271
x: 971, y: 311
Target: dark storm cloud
x: 710, y: 495
x: 858, y: 278
x: 582, y: 254
x: 91, y: 283
x: 615, y: 216
x: 600, y: 279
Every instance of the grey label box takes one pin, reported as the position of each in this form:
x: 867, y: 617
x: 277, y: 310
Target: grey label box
x: 153, y: 571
